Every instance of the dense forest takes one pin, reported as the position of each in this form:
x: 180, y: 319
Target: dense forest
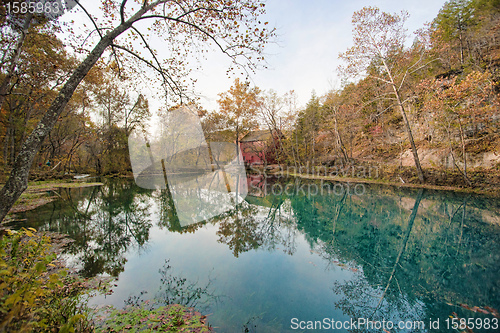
x: 413, y: 106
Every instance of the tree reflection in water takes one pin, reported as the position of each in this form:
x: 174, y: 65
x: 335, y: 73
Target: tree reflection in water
x: 412, y: 255
x: 258, y: 223
x: 363, y: 301
x: 179, y: 290
x: 120, y: 219
x: 167, y: 216
x: 176, y: 289
x: 104, y: 222
x: 416, y: 265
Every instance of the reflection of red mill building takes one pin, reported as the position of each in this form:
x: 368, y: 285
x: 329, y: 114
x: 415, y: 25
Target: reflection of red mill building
x: 259, y: 147
x: 256, y: 185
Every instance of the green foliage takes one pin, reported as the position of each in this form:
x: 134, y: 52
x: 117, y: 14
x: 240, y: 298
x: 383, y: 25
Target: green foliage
x: 455, y: 17
x: 170, y: 318
x: 486, y: 5
x: 307, y: 128
x: 464, y: 35
x: 35, y: 294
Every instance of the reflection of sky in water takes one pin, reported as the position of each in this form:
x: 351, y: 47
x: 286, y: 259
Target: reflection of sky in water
x: 268, y: 266
x: 263, y: 283
x: 204, y: 179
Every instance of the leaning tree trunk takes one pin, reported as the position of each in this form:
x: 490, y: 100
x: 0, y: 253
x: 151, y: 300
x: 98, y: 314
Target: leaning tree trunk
x: 18, y: 179
x: 410, y: 135
x: 339, y: 138
x: 405, y: 119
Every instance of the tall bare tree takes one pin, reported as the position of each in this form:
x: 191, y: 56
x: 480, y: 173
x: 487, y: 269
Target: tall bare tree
x: 379, y: 52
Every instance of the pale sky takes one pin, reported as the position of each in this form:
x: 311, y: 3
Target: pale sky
x: 311, y: 35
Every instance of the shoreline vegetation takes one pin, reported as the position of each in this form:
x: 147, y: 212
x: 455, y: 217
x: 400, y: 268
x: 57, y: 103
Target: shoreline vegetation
x: 41, y: 294
x: 41, y: 193
x: 484, y: 189
x: 408, y: 185
x: 484, y: 182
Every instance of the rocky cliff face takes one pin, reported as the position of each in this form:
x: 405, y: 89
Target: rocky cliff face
x: 443, y: 158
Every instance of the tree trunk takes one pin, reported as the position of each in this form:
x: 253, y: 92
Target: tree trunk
x: 403, y: 246
x: 453, y: 155
x: 18, y: 180
x: 460, y: 37
x: 15, y: 57
x: 6, y: 151
x: 407, y: 124
x: 237, y: 143
x: 410, y: 135
x: 339, y: 138
x: 313, y: 151
x: 464, y: 153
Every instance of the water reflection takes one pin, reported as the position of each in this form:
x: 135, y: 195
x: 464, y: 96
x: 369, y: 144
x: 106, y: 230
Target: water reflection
x: 362, y: 300
x: 265, y: 223
x: 176, y: 289
x: 384, y: 253
x: 104, y: 221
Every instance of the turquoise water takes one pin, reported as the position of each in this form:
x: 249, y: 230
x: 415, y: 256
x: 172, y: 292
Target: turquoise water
x: 283, y: 260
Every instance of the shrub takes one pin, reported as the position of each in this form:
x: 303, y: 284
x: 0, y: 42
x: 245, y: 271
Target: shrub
x: 36, y: 294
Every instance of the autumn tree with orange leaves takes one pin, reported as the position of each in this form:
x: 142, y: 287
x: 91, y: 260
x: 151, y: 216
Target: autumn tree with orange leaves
x: 239, y: 107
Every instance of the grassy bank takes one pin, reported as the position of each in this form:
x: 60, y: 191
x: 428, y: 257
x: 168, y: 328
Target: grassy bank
x: 40, y: 193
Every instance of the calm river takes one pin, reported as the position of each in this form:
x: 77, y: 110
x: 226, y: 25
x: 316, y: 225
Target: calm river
x: 316, y: 255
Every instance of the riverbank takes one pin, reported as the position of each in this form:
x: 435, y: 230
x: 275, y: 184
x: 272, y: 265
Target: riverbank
x: 72, y: 288
x: 485, y: 182
x: 408, y: 185
x: 41, y: 193
x: 56, y: 297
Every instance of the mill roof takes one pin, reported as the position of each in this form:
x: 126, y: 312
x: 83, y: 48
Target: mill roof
x: 261, y: 135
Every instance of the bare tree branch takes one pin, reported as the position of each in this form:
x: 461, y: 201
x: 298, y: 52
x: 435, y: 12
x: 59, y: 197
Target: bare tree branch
x: 159, y: 70
x: 122, y: 11
x: 100, y: 34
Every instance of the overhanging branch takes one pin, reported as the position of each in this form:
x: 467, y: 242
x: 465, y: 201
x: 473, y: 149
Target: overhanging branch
x: 151, y: 65
x: 158, y: 64
x: 100, y: 34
